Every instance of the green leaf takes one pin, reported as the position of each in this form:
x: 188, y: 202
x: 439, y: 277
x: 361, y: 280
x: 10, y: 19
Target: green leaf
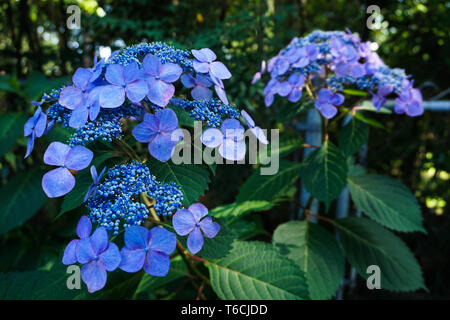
x: 325, y: 172
x: 257, y: 271
x: 371, y: 122
x: 287, y: 144
x: 184, y: 119
x: 270, y: 187
x: 366, y: 243
x: 352, y: 136
x: 288, y: 111
x: 11, y: 128
x: 317, y: 253
x: 353, y: 92
x: 387, y: 201
x: 20, y: 199
x: 368, y: 106
x: 220, y: 245
x: 193, y: 179
x: 238, y: 209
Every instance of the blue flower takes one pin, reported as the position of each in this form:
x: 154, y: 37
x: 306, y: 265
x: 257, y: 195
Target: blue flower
x: 98, y: 256
x: 75, y: 96
x: 292, y: 88
x: 34, y: 128
x: 205, y: 63
x: 160, y: 77
x: 60, y: 181
x: 96, y: 182
x: 409, y: 100
x: 200, y: 84
x: 230, y: 140
x: 124, y: 81
x: 159, y: 131
x: 301, y: 57
x: 257, y: 75
x: 379, y: 98
x: 84, y: 229
x: 88, y: 110
x: 147, y: 249
x: 189, y: 222
x: 327, y: 101
x: 257, y: 131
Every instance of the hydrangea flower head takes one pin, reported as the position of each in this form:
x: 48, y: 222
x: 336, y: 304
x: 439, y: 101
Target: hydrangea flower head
x: 158, y: 130
x: 60, y: 181
x: 95, y: 182
x: 160, y: 77
x: 84, y: 229
x: 34, y: 128
x: 229, y: 139
x: 292, y: 88
x: 200, y: 85
x: 205, y: 63
x: 148, y: 249
x: 327, y: 101
x: 409, y: 100
x: 98, y: 256
x: 257, y: 131
x: 190, y: 222
x: 89, y: 110
x: 379, y: 98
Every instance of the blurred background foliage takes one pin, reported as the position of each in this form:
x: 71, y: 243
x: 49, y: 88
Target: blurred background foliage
x: 38, y: 52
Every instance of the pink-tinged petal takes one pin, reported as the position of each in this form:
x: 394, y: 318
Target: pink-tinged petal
x: 79, y: 117
x: 209, y: 55
x: 131, y: 72
x: 114, y: 74
x: 247, y: 118
x: 84, y: 227
x: 151, y: 65
x: 198, y: 210
x: 99, y: 240
x: 212, y: 137
x: 143, y: 133
x: 219, y: 70
x: 70, y: 253
x: 81, y: 78
x: 201, y: 93
x: 157, y: 264
x: 41, y: 124
x: 137, y: 90
x: 71, y: 97
x: 110, y: 257
x: 256, y: 77
x: 168, y: 119
x: 132, y: 260
x: 162, y: 240
x: 78, y: 158
x: 161, y: 147
x: 188, y: 80
x: 56, y: 153
x: 199, y: 55
x: 195, y: 241
x: 221, y: 94
x: 259, y: 134
x: 233, y: 150
x: 210, y: 229
x: 202, y: 67
x: 111, y: 96
x: 57, y: 182
x: 160, y: 92
x: 183, y: 222
x: 85, y: 252
x: 94, y: 275
x: 170, y: 72
x: 136, y: 237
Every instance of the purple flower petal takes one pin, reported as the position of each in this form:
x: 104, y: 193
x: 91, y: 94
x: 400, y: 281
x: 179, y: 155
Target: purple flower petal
x: 188, y: 80
x: 110, y: 257
x: 41, y: 124
x: 70, y: 254
x: 78, y: 158
x: 161, y: 147
x: 131, y: 72
x: 195, y: 241
x: 201, y: 93
x: 337, y: 99
x: 212, y: 137
x: 162, y: 240
x: 79, y: 117
x: 218, y: 70
x: 30, y: 145
x: 221, y: 94
x: 114, y: 74
x: 56, y: 153
x: 111, y: 96
x: 209, y: 55
x: 183, y: 222
x: 157, y: 264
x: 295, y: 95
x: 99, y: 240
x: 268, y: 100
x: 94, y: 110
x: 151, y: 65
x: 84, y: 227
x: 132, y: 260
x: 85, y: 252
x: 198, y: 210
x: 71, y: 97
x: 136, y: 237
x: 324, y: 95
x: 136, y: 90
x: 160, y: 92
x: 328, y: 110
x: 256, y: 77
x: 209, y: 228
x: 202, y: 67
x: 233, y: 150
x: 247, y: 118
x: 259, y: 134
x: 81, y: 78
x: 170, y: 72
x: 94, y: 275
x: 143, y: 133
x: 57, y: 182
x: 199, y: 55
x: 231, y: 128
x: 284, y: 88
x: 168, y: 120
